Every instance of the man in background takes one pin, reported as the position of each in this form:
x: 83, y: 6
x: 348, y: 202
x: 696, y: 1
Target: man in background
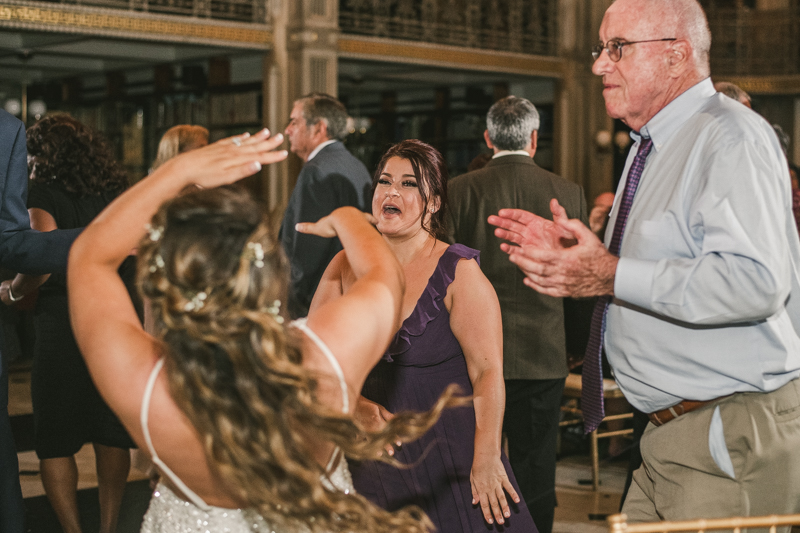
x: 534, y: 351
x: 331, y: 177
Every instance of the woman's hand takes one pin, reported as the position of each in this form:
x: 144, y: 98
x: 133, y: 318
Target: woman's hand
x: 373, y: 417
x: 227, y: 160
x: 488, y: 479
x: 325, y: 227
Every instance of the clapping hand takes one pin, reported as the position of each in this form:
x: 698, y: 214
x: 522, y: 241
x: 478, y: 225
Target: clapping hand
x: 559, y: 258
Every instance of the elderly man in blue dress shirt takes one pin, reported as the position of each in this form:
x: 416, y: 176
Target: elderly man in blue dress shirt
x: 702, y: 328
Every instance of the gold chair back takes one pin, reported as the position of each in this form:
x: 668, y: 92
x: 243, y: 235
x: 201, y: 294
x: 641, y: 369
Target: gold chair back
x: 618, y: 524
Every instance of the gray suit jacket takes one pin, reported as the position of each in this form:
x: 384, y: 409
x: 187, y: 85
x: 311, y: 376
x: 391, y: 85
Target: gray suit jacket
x: 333, y: 178
x: 533, y: 324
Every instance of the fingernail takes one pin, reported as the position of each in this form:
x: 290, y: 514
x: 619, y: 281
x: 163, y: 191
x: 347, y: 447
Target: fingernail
x: 279, y: 136
x: 265, y: 131
x: 491, y: 521
x: 507, y: 514
x: 298, y: 226
x: 245, y: 135
x: 284, y: 152
x: 256, y: 165
x: 500, y: 521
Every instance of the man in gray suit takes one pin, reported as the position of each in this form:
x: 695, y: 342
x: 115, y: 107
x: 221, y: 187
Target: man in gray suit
x: 331, y: 177
x: 534, y: 352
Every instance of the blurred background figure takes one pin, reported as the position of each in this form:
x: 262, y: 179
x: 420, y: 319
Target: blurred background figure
x: 733, y: 91
x: 783, y: 138
x: 598, y: 216
x: 179, y: 139
x: 73, y: 177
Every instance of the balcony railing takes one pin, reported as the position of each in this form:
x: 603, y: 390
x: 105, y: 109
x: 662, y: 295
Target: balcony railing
x: 750, y: 42
x: 229, y: 10
x: 525, y: 26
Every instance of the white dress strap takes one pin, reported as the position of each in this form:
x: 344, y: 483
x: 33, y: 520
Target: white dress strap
x: 300, y: 324
x: 337, y: 368
x: 179, y: 484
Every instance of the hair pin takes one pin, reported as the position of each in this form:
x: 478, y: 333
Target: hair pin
x: 255, y: 252
x: 197, y: 302
x: 158, y: 262
x: 275, y: 310
x: 155, y: 232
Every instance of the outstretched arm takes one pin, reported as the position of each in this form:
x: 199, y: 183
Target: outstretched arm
x: 358, y: 325
x: 105, y: 323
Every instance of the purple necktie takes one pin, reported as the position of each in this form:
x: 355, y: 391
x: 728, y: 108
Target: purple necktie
x: 592, y: 386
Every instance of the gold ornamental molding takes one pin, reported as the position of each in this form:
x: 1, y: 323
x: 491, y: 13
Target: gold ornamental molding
x: 384, y: 49
x: 120, y: 23
x: 766, y: 85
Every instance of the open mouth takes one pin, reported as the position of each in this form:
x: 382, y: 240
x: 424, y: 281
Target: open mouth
x: 391, y: 210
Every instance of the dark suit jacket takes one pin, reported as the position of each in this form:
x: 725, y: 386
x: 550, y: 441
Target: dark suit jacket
x: 533, y: 324
x: 21, y: 248
x: 333, y: 178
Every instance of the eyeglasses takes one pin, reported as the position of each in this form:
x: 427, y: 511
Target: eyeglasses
x: 614, y: 47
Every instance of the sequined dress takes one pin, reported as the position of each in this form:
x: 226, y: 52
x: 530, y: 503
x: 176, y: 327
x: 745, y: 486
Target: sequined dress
x: 169, y: 513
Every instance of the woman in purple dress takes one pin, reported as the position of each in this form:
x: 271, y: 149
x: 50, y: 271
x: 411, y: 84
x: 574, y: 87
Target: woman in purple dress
x: 451, y: 333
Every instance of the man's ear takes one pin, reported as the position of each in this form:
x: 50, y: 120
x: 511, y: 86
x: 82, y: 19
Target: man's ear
x: 680, y: 56
x: 534, y: 142
x: 487, y: 139
x: 322, y: 127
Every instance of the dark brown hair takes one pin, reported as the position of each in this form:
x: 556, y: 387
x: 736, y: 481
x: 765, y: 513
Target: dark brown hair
x: 65, y: 151
x: 431, y: 173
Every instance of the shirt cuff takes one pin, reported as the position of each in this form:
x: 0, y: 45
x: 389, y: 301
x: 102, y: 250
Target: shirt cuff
x: 633, y: 281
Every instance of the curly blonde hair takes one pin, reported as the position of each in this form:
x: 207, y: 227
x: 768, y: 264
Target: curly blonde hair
x: 238, y: 376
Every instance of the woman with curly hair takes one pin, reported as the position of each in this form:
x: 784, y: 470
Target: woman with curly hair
x: 248, y: 417
x: 73, y: 177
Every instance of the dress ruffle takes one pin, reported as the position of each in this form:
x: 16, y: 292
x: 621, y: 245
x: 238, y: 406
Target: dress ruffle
x: 431, y: 303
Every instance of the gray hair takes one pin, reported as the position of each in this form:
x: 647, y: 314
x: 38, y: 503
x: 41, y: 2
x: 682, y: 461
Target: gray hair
x: 320, y: 106
x: 510, y: 122
x: 688, y: 20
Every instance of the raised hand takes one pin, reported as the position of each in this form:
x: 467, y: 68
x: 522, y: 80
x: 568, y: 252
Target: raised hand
x: 227, y: 160
x: 325, y: 227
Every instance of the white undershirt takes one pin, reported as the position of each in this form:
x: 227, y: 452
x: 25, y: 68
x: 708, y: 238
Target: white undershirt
x: 319, y: 147
x: 502, y: 153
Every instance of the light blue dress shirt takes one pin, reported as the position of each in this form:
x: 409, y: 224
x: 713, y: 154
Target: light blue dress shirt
x: 707, y: 290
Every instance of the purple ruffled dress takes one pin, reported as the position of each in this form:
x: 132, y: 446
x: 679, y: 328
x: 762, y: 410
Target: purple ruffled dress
x: 422, y: 360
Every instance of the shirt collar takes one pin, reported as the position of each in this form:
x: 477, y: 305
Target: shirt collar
x: 319, y: 147
x: 503, y: 153
x: 667, y: 121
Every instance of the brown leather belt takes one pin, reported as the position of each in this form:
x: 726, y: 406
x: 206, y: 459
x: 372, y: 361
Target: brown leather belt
x: 659, y: 418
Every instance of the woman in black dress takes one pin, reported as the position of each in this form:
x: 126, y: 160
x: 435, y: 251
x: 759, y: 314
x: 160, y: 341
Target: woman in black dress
x: 73, y: 178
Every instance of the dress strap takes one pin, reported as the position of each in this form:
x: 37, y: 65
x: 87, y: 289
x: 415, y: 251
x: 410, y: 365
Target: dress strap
x: 144, y: 415
x: 300, y: 324
x: 337, y: 368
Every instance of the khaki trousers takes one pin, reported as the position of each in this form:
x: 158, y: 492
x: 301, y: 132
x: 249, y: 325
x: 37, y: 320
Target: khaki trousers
x: 679, y: 479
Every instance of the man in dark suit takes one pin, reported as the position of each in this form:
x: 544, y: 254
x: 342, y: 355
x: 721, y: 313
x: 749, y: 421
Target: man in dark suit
x: 534, y: 352
x: 331, y: 178
x: 22, y: 250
